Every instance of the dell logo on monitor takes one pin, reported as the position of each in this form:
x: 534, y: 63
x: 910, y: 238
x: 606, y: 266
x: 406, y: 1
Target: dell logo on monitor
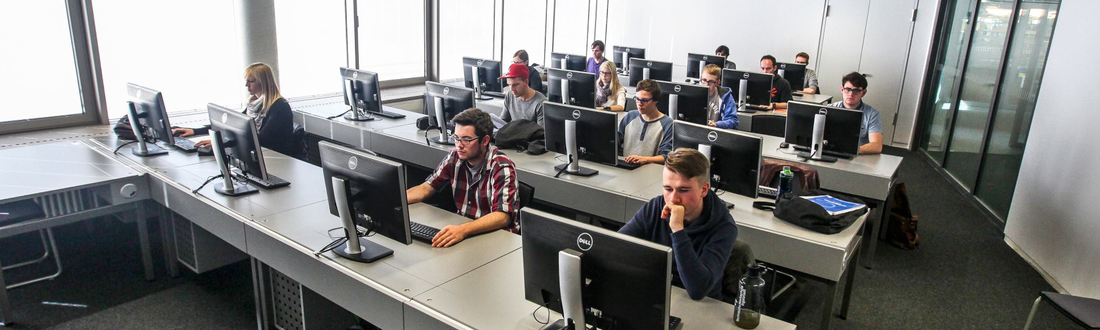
x: 479, y: 62
x: 446, y: 90
x: 823, y: 111
x: 649, y: 64
x: 353, y: 162
x: 584, y: 241
x: 782, y: 65
x: 567, y: 57
x: 712, y: 136
x: 225, y: 117
x: 354, y: 75
x: 677, y: 88
x: 627, y: 50
x: 576, y: 114
x: 746, y: 76
x: 704, y: 57
x: 568, y: 75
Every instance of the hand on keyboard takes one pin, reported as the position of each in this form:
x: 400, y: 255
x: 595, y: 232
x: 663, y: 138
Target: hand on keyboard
x: 449, y: 235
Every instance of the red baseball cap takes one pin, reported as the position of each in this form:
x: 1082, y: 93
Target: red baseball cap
x: 517, y: 70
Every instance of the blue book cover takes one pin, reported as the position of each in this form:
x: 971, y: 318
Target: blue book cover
x: 834, y: 205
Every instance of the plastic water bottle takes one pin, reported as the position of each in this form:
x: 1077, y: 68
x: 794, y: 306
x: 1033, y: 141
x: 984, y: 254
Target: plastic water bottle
x: 785, y: 179
x: 750, y: 302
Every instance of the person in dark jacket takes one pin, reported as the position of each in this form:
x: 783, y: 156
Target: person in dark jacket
x: 274, y: 122
x: 690, y: 219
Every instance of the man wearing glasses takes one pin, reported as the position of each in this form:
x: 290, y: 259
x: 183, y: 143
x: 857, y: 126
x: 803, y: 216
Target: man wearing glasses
x: 482, y: 178
x: 870, y: 131
x: 781, y: 88
x: 721, y: 107
x: 534, y: 80
x: 522, y: 101
x: 646, y: 133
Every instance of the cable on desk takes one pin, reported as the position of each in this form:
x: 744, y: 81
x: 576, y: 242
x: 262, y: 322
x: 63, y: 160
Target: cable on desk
x: 337, y: 241
x: 123, y: 145
x: 546, y: 305
x: 341, y: 114
x: 205, y: 183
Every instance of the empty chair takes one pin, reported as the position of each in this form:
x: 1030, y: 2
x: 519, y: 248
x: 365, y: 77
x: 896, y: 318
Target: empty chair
x: 773, y: 125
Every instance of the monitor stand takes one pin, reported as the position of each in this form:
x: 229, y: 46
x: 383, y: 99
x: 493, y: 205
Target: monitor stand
x: 574, y: 165
x: 357, y: 248
x: 355, y: 115
x: 143, y: 149
x: 478, y: 90
x: 570, y: 282
x: 444, y: 137
x: 817, y: 144
x: 227, y: 186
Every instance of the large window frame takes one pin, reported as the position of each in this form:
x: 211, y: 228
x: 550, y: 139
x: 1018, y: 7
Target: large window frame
x: 79, y: 14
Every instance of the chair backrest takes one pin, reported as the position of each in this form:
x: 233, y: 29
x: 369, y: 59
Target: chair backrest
x: 298, y: 143
x: 740, y: 259
x: 526, y: 194
x: 773, y: 125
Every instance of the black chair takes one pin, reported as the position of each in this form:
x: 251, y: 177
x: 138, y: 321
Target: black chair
x: 773, y: 125
x: 15, y: 213
x: 298, y: 143
x: 526, y: 195
x: 736, y: 267
x: 1084, y: 311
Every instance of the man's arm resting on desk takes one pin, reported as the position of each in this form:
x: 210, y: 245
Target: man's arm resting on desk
x: 451, y: 235
x: 873, y: 147
x: 419, y: 193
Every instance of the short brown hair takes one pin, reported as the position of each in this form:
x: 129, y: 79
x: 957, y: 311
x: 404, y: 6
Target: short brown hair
x: 769, y: 58
x: 522, y: 54
x: 651, y: 87
x: 857, y: 79
x: 598, y: 43
x: 688, y: 162
x: 713, y: 70
x: 483, y: 124
x: 803, y: 55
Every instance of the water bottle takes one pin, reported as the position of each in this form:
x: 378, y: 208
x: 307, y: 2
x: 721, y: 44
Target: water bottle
x: 750, y: 302
x: 785, y: 179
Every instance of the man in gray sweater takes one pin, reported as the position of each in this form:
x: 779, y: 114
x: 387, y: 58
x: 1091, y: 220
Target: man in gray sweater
x: 522, y: 101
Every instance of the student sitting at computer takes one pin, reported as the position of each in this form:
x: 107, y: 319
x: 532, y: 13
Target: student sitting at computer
x: 721, y: 107
x: 274, y: 122
x: 646, y: 133
x: 610, y: 94
x: 781, y: 88
x: 870, y: 130
x: 521, y: 101
x: 694, y: 222
x: 809, y: 84
x: 534, y: 80
x: 482, y: 178
x: 597, y: 58
x: 724, y: 51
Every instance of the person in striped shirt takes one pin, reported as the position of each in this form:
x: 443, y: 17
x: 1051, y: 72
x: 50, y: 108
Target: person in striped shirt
x: 482, y: 178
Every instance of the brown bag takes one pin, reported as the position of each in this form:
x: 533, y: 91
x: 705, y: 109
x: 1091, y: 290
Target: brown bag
x: 901, y: 226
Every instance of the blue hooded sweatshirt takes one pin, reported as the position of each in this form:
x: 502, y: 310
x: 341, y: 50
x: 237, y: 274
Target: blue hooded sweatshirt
x: 699, y: 251
x: 729, y: 109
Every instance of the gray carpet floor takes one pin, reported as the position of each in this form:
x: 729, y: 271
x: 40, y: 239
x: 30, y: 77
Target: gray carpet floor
x: 963, y: 276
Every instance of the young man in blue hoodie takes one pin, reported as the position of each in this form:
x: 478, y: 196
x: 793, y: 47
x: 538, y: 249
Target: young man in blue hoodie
x: 721, y: 106
x: 695, y: 223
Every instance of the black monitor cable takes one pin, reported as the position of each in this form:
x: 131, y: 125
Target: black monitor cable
x: 544, y: 323
x: 123, y: 145
x: 341, y: 114
x: 208, y: 180
x: 337, y: 241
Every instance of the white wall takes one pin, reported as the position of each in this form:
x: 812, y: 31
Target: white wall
x: 919, y: 53
x: 1055, y: 217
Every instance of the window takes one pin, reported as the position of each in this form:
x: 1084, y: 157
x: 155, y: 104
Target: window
x: 311, y: 41
x: 40, y: 65
x: 465, y: 30
x: 525, y: 28
x: 571, y: 34
x: 391, y: 38
x: 187, y: 50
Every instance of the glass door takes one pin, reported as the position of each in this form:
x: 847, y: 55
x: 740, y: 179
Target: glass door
x: 940, y: 108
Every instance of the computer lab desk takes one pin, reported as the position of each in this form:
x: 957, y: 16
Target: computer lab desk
x: 72, y: 183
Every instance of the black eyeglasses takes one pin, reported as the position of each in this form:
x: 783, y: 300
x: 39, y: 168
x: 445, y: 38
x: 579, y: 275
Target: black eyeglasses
x: 852, y: 90
x: 641, y: 100
x: 463, y: 140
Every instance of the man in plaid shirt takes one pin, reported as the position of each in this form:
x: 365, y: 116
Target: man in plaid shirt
x: 482, y: 178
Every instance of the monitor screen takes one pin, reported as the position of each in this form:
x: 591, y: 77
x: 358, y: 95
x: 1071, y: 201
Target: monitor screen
x: 582, y: 87
x: 691, y: 104
x: 597, y: 132
x: 152, y: 115
x: 841, y: 128
x: 759, y: 91
x: 628, y: 279
x: 619, y: 53
x: 734, y: 156
x: 240, y: 142
x: 454, y: 99
x: 657, y: 71
x: 696, y: 62
x: 570, y: 61
x: 362, y: 87
x: 488, y: 74
x: 374, y: 189
x: 794, y: 73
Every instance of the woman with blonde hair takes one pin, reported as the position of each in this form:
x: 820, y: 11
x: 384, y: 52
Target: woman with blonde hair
x: 610, y: 94
x: 274, y: 122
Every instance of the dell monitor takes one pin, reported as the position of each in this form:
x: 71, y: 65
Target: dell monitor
x: 823, y: 130
x: 149, y: 120
x: 361, y: 93
x: 442, y: 103
x: 483, y: 76
x: 571, y: 87
x: 581, y: 133
x: 367, y: 191
x: 237, y: 149
x: 646, y: 69
x: 696, y: 63
x: 750, y: 87
x: 568, y: 61
x: 684, y: 101
x: 794, y: 73
x: 622, y: 55
x: 593, y: 275
x: 734, y: 156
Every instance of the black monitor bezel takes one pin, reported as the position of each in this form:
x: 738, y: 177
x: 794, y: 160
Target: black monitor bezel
x: 663, y: 70
x: 604, y: 151
x: 841, y: 124
x: 742, y: 182
x: 698, y: 114
x: 336, y: 161
x: 361, y: 79
x: 577, y: 80
x: 694, y: 58
x: 756, y: 81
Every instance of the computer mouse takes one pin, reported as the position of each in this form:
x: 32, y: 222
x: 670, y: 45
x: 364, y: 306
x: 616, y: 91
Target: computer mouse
x: 205, y: 151
x: 784, y: 145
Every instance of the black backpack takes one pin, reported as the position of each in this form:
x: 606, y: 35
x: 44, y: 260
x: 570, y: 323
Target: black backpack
x: 519, y: 134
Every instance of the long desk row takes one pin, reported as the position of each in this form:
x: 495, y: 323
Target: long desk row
x: 616, y: 194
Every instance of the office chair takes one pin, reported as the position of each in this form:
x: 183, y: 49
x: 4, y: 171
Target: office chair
x: 774, y: 125
x: 1083, y: 311
x: 15, y: 213
x: 526, y: 196
x: 736, y: 267
x: 298, y: 145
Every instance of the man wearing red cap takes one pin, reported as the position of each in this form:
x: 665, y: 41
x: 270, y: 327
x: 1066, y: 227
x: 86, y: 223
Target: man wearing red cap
x: 522, y: 101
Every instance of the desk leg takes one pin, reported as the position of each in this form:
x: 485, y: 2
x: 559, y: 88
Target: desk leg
x: 258, y: 294
x: 852, y: 266
x: 168, y: 239
x: 830, y: 296
x: 143, y: 235
x: 5, y: 306
x: 878, y: 216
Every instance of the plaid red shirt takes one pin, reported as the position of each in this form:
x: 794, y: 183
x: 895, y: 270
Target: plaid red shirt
x: 490, y: 188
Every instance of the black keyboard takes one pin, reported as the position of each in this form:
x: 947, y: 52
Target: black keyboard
x: 625, y: 165
x: 390, y: 115
x: 673, y: 322
x: 827, y: 152
x: 271, y: 182
x: 422, y: 232
x: 184, y: 144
